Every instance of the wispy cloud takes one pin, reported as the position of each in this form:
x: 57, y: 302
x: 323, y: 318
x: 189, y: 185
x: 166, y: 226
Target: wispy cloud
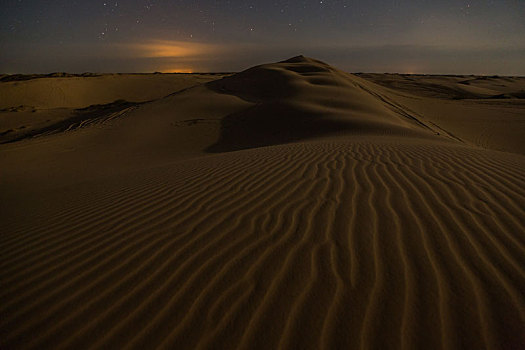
x: 173, y: 49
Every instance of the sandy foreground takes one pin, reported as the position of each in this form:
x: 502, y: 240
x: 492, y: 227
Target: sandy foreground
x: 289, y: 206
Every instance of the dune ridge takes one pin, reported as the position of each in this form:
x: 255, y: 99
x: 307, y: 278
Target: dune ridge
x: 369, y: 232
x: 79, y: 92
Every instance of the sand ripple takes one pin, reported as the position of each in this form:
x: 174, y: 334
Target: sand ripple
x: 315, y: 245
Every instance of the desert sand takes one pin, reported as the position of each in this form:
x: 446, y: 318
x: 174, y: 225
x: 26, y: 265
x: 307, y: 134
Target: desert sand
x: 289, y: 206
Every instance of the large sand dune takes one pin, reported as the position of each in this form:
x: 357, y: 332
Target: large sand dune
x: 289, y: 206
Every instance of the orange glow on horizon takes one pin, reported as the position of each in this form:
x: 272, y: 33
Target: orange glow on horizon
x: 173, y: 49
x: 177, y: 70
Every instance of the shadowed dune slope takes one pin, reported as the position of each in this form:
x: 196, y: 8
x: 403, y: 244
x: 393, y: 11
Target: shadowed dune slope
x: 304, y: 98
x: 290, y: 206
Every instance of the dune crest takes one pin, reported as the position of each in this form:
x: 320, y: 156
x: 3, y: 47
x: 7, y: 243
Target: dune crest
x: 303, y: 98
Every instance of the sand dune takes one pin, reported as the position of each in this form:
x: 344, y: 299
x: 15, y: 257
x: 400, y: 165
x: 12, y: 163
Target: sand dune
x: 34, y: 106
x: 78, y: 91
x: 289, y: 206
x: 483, y: 111
x: 452, y: 86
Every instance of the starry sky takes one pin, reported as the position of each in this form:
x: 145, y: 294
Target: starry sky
x: 405, y: 36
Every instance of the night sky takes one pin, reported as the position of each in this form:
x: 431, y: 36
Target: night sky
x: 416, y: 36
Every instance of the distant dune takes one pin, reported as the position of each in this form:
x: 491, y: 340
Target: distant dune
x: 290, y: 206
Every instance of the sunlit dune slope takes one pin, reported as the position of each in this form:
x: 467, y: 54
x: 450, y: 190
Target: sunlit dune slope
x: 486, y: 111
x: 78, y: 92
x: 31, y: 106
